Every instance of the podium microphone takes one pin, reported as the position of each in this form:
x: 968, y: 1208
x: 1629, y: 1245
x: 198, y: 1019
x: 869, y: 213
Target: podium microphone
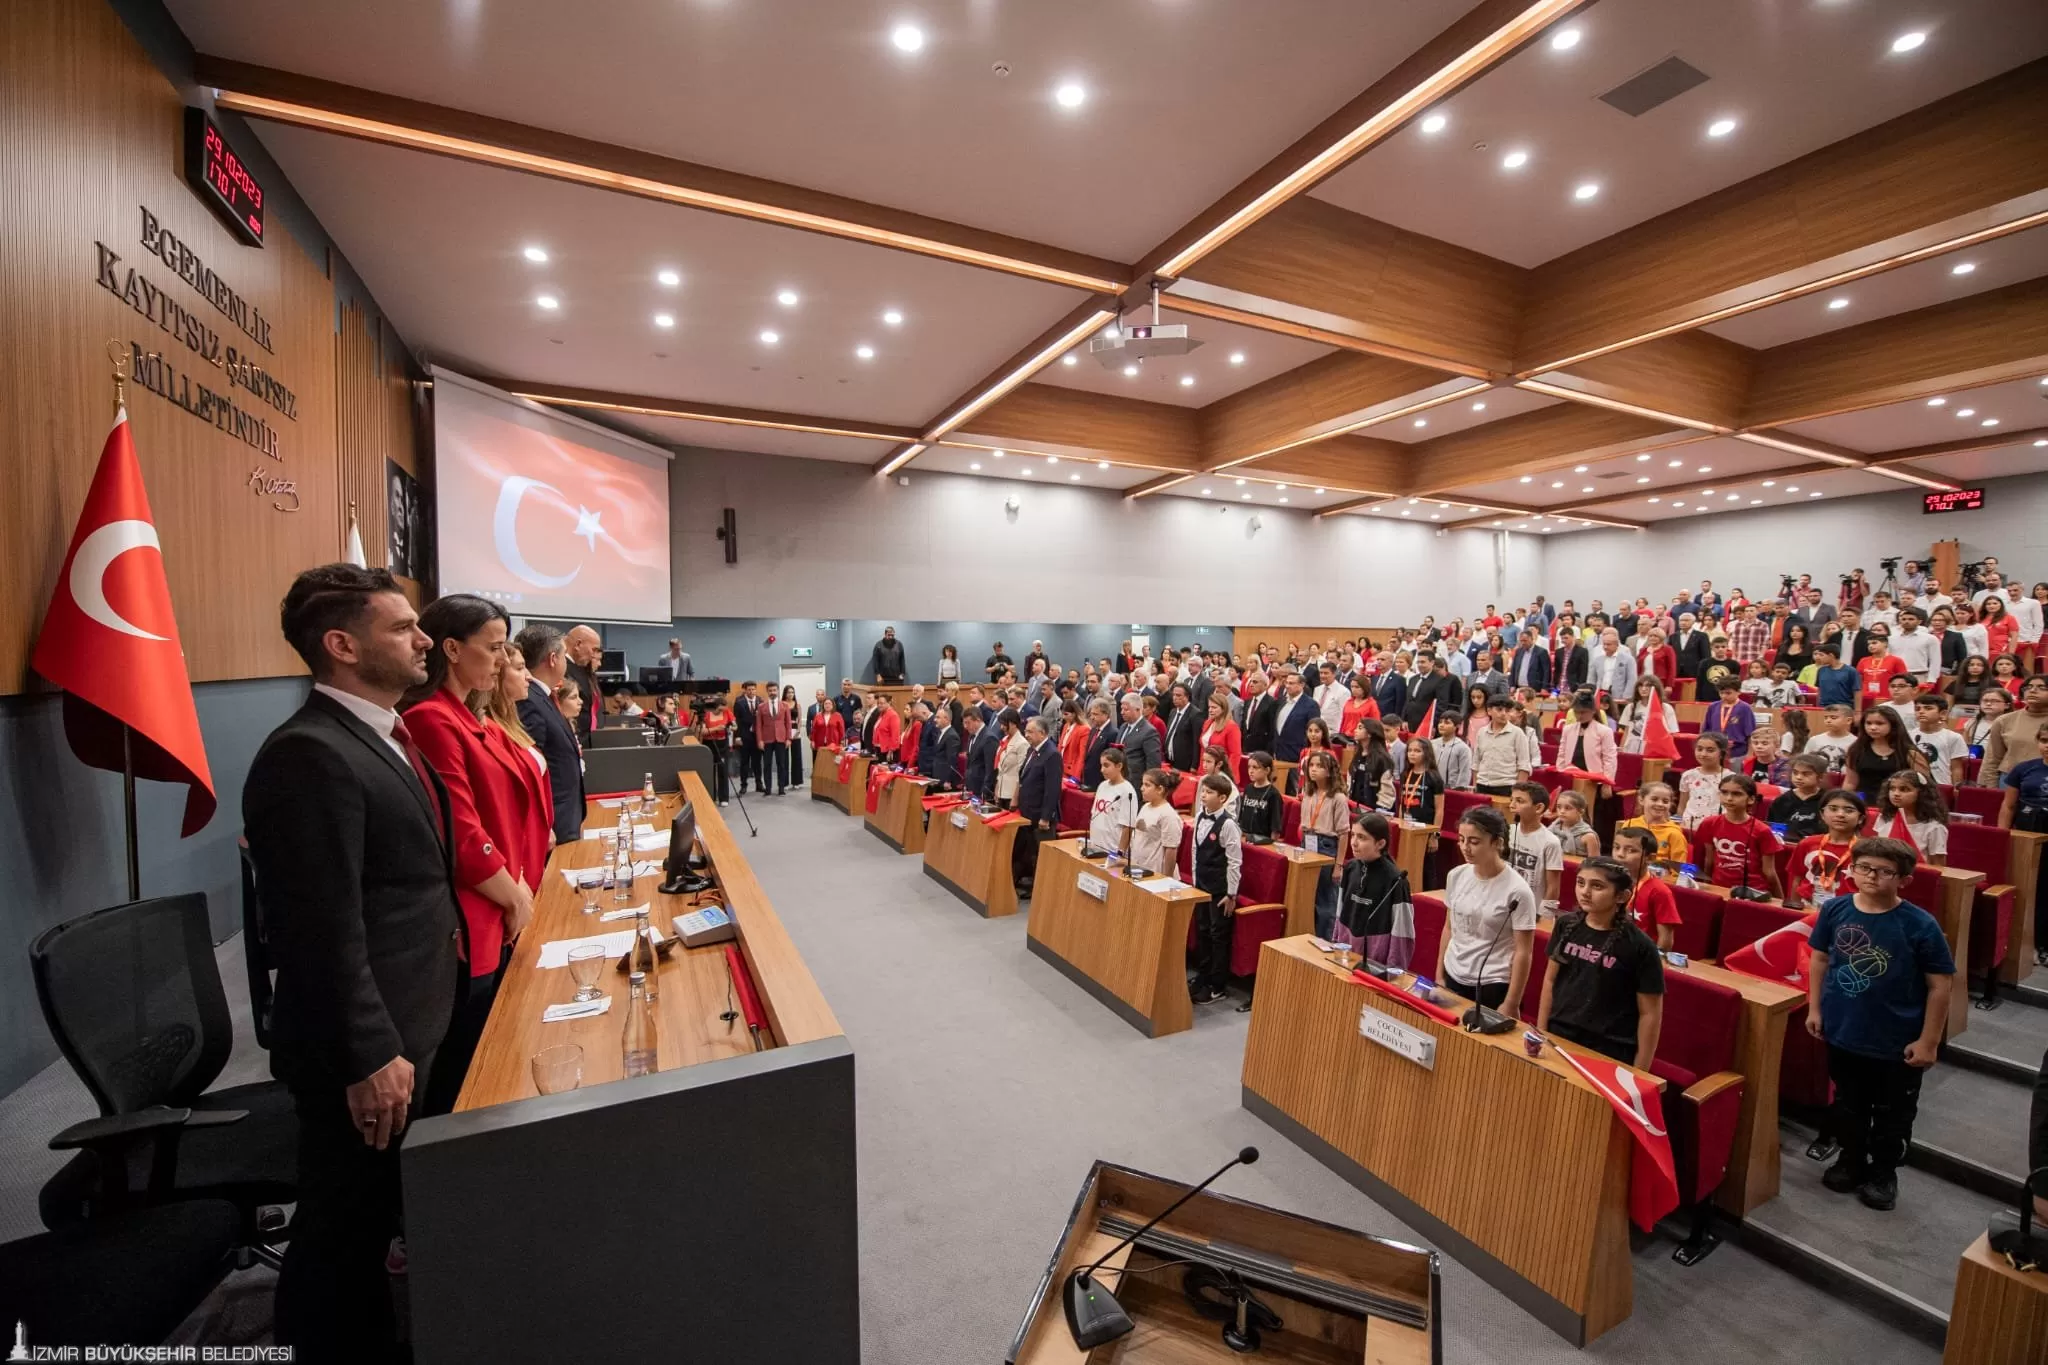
x: 1480, y: 1019
x: 1093, y: 1314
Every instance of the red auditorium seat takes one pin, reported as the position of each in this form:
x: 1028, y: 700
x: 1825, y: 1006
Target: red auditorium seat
x: 1803, y: 1075
x: 1989, y: 849
x: 1262, y: 909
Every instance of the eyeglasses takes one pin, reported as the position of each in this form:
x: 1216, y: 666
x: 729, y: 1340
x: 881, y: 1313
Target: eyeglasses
x: 1876, y: 871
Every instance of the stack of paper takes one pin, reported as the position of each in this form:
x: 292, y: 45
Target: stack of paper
x: 556, y: 954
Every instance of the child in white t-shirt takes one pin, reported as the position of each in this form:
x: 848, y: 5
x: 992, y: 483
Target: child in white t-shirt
x: 1155, y: 830
x: 1699, y: 789
x: 1115, y: 807
x: 1536, y: 854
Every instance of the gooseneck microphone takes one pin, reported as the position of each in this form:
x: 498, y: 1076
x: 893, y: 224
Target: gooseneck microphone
x: 1093, y: 1314
x: 1480, y: 1019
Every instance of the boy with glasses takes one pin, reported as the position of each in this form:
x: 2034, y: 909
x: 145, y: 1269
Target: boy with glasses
x: 1878, y: 989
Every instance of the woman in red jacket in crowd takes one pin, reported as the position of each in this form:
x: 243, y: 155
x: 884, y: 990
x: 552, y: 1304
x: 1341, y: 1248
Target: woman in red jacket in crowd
x: 499, y: 806
x: 910, y: 736
x: 1222, y: 730
x: 828, y: 727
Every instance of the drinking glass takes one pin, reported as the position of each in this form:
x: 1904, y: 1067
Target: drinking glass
x: 586, y: 964
x: 558, y: 1068
x: 590, y: 889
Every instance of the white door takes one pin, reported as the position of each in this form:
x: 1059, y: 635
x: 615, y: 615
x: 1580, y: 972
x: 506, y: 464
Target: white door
x: 1141, y: 642
x: 806, y: 679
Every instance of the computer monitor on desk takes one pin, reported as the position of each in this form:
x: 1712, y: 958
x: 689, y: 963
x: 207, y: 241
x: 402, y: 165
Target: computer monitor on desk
x: 682, y: 855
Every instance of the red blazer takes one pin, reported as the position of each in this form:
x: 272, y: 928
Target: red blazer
x: 828, y: 728
x: 1228, y: 736
x: 499, y: 806
x: 906, y: 751
x: 1662, y: 664
x: 888, y: 731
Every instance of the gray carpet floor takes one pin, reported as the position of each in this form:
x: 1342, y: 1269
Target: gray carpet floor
x: 988, y: 1083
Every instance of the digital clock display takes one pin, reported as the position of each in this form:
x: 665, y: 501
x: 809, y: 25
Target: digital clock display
x: 222, y: 178
x: 1953, y: 500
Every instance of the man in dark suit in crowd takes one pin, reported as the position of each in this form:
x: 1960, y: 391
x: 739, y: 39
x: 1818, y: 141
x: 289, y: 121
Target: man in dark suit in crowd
x: 746, y: 709
x: 1261, y: 714
x: 1569, y: 661
x: 1692, y: 645
x: 1101, y: 734
x: 1390, y: 694
x: 585, y: 652
x: 1290, y: 723
x: 938, y: 750
x: 983, y: 740
x: 1139, y: 739
x: 1438, y: 686
x: 547, y: 659
x: 1531, y: 665
x: 348, y: 829
x: 1183, y: 744
x: 1038, y: 801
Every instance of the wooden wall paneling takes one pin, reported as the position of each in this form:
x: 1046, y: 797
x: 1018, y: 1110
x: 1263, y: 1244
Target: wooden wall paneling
x: 1983, y: 339
x: 1532, y: 442
x: 1414, y: 295
x: 88, y: 119
x: 1245, y: 639
x: 1311, y: 402
x: 1969, y: 166
x: 1047, y: 419
x: 1695, y: 377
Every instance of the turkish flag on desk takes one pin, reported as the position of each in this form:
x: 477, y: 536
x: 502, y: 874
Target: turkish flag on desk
x: 1781, y: 955
x: 1653, y: 1176
x: 110, y: 641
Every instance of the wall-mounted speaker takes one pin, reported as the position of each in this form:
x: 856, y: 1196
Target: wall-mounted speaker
x: 729, y: 532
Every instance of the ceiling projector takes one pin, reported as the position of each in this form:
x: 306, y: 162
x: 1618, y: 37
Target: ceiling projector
x: 1124, y: 344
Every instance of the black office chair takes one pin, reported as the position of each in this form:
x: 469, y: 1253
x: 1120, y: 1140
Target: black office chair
x: 133, y: 997
x: 256, y: 950
x: 128, y: 1278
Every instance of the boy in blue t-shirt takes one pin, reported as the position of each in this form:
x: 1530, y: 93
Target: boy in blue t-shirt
x: 1837, y: 685
x: 1877, y: 990
x: 2026, y: 808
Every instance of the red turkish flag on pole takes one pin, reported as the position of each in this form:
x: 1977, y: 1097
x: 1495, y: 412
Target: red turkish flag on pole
x: 1657, y: 739
x: 110, y: 640
x: 1653, y: 1176
x: 1427, y: 728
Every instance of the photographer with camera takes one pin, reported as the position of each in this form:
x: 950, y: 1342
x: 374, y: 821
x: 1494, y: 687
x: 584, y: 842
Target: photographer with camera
x: 1855, y: 590
x: 1912, y: 582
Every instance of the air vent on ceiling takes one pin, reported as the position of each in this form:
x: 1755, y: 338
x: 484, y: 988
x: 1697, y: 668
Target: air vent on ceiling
x: 1617, y: 474
x: 1667, y: 80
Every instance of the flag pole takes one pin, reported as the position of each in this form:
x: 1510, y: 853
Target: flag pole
x: 119, y: 357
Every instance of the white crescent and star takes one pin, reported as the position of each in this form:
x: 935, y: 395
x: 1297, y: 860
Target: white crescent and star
x: 96, y: 554
x: 505, y: 533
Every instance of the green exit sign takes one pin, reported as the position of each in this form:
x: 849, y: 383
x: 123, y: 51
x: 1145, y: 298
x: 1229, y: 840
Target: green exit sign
x: 801, y: 652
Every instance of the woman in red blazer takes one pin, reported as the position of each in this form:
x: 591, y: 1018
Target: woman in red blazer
x: 1657, y: 660
x: 888, y: 733
x: 498, y: 805
x: 911, y: 733
x: 1221, y: 729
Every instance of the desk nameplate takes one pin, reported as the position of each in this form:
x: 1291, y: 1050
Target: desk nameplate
x: 1395, y: 1036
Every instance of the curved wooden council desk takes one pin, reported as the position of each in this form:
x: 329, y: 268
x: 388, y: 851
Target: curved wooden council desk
x: 1127, y: 946
x: 525, y: 1214
x: 850, y: 795
x: 898, y: 817
x: 1514, y: 1165
x: 1999, y: 1316
x: 971, y: 859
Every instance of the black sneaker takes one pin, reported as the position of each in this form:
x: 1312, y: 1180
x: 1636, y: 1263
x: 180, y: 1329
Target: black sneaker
x: 1205, y: 995
x: 1880, y: 1192
x: 1822, y: 1149
x: 1245, y: 1008
x: 1843, y: 1177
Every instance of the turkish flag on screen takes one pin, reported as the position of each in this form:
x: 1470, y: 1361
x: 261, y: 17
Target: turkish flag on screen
x: 110, y: 641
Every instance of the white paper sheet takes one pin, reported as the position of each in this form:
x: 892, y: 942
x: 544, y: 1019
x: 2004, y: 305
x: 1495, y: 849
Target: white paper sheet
x: 556, y: 954
x: 576, y: 1009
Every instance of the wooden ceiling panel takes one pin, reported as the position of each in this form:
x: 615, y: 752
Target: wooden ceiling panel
x: 1964, y: 168
x: 1056, y: 421
x: 1358, y: 463
x: 1695, y: 378
x: 1534, y: 442
x: 1308, y: 404
x: 1409, y: 295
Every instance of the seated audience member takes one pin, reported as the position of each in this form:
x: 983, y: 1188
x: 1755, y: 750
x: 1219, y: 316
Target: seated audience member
x: 1603, y: 987
x: 1878, y: 992
x: 1650, y: 904
x: 1797, y: 808
x: 1375, y: 913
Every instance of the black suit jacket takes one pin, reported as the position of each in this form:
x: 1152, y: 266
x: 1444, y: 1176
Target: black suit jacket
x: 980, y: 779
x: 565, y: 759
x: 1261, y: 714
x: 1571, y: 674
x: 1183, y: 748
x: 938, y: 753
x: 1441, y: 688
x: 1038, y: 785
x: 1099, y: 738
x: 1696, y: 650
x: 743, y: 711
x: 1390, y: 694
x: 358, y: 895
x: 1539, y: 668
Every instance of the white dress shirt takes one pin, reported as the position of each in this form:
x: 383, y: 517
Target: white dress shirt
x: 380, y: 719
x: 1919, y: 650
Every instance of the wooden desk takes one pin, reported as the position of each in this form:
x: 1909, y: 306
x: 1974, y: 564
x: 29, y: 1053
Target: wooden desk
x: 971, y: 860
x: 1999, y: 1316
x: 1129, y: 949
x: 898, y: 817
x: 2023, y: 870
x: 693, y: 982
x: 851, y: 795
x: 1512, y: 1164
x: 752, y: 1152
x: 1303, y: 872
x: 1958, y: 901
x: 1411, y: 848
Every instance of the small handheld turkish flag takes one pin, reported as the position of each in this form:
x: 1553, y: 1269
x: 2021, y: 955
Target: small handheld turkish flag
x: 1657, y: 740
x: 1781, y: 955
x: 109, y: 639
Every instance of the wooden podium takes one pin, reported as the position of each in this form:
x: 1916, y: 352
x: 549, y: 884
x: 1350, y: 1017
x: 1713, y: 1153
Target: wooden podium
x: 851, y: 795
x: 1340, y: 1295
x: 898, y: 817
x: 1999, y: 1315
x: 1123, y: 944
x: 1515, y: 1165
x: 970, y: 859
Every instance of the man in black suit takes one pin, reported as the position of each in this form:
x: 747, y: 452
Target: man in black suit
x: 1183, y: 745
x: 1692, y: 645
x: 1038, y: 800
x: 1436, y: 686
x: 938, y: 750
x: 1139, y: 739
x: 1101, y: 735
x: 983, y: 741
x: 1531, y: 665
x: 1261, y: 716
x: 1569, y: 661
x: 586, y: 651
x: 547, y: 659
x: 1390, y: 693
x: 348, y: 829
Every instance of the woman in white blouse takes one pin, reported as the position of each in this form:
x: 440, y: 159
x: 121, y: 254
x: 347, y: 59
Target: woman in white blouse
x: 1010, y: 757
x: 1636, y: 715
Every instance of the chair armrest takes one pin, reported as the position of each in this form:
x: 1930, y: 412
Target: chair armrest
x: 1261, y: 908
x: 119, y: 1128
x: 215, y: 1118
x: 1994, y: 892
x: 1704, y: 1089
x: 1067, y: 832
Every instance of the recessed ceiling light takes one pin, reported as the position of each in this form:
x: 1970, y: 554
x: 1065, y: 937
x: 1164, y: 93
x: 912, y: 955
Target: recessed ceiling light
x: 537, y: 254
x: 1205, y: 492
x: 1644, y: 479
x: 1675, y: 464
x: 1187, y: 381
x: 1558, y: 484
x: 1514, y: 160
x: 1073, y: 478
x: 1587, y: 489
x: 1279, y: 488
x: 1000, y: 453
x: 1436, y: 516
x: 1071, y: 95
x: 1479, y: 407
x: 1548, y: 529
x: 1586, y: 191
x: 1283, y: 500
x: 1237, y: 357
x: 1565, y: 39
x: 975, y: 464
x: 770, y: 338
x: 1527, y: 478
x: 907, y: 37
x: 1320, y: 490
x: 1578, y: 469
x: 1102, y: 464
x: 1756, y: 502
x: 1421, y: 422
x: 1937, y: 402
x: 1642, y: 459
x: 1678, y: 504
x: 1246, y: 497
x: 1435, y: 123
x: 1836, y: 305
x: 667, y: 279
x: 2042, y: 442
x: 1406, y: 513
x: 1906, y: 42
x: 1770, y: 483
x: 892, y: 318
x: 1966, y: 412
x: 1721, y: 127
x: 1962, y: 267
x: 1413, y: 501
x: 787, y: 298
x: 1706, y: 492
x: 1240, y: 483
x: 1130, y: 371
x: 1813, y: 494
x: 1052, y: 459
x: 864, y: 352
x: 1706, y: 469
x: 1988, y: 422
x: 1496, y: 521
x: 1025, y: 472
x: 1656, y: 499
x: 548, y: 301
x: 1791, y: 488
x: 664, y: 319
x: 1735, y: 497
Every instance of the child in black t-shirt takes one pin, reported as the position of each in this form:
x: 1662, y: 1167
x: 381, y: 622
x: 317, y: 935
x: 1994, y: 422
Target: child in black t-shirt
x: 1798, y: 807
x: 1258, y: 805
x: 1604, y: 986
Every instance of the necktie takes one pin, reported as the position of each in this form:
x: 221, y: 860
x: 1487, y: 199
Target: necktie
x: 419, y: 770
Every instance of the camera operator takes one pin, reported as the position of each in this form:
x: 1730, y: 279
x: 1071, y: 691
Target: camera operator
x: 1855, y: 590
x: 1912, y: 582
